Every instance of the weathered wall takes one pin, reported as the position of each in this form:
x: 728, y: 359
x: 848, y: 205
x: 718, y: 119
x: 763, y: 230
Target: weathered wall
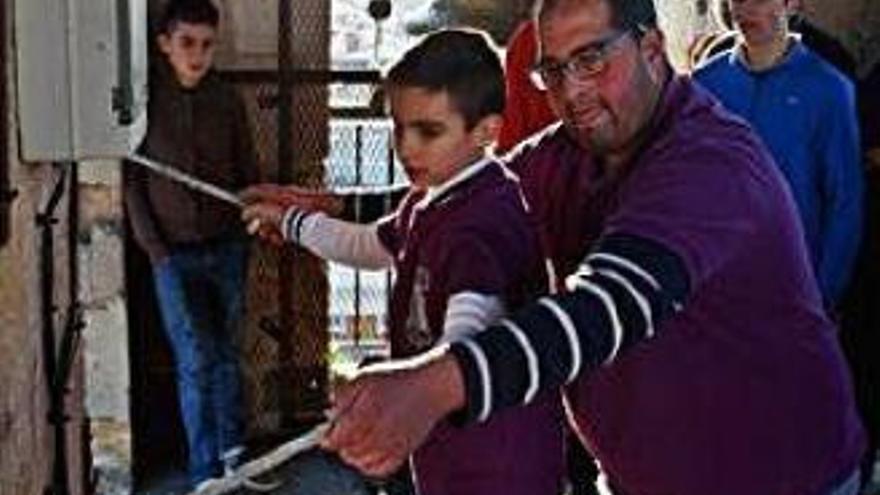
x: 26, y: 437
x: 24, y: 433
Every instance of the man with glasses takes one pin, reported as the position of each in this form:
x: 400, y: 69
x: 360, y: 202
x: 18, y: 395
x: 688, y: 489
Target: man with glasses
x: 692, y: 344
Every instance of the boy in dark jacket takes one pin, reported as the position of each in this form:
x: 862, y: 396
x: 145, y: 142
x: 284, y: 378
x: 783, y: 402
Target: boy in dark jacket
x: 195, y: 243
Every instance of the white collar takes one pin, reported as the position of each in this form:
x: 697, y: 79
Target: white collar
x: 460, y: 177
x: 740, y: 52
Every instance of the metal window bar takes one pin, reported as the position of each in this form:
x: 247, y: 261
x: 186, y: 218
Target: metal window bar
x: 361, y: 322
x: 388, y: 206
x: 358, y: 166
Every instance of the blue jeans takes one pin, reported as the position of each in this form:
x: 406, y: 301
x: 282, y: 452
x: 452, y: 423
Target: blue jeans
x: 201, y: 296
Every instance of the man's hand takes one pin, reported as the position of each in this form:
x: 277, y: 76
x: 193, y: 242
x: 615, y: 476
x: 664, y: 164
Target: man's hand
x: 387, y: 411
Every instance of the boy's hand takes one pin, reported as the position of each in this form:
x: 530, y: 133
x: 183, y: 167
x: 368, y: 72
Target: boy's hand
x: 306, y: 199
x: 263, y: 219
x: 388, y: 410
x: 265, y: 205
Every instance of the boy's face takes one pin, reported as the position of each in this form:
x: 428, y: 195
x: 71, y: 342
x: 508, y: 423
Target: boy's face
x: 761, y: 21
x: 189, y: 49
x: 430, y: 135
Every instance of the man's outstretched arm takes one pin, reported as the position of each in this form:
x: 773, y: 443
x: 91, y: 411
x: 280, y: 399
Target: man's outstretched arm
x: 619, y: 297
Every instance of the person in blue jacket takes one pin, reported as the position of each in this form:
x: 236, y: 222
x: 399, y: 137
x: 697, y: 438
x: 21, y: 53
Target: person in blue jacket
x: 804, y: 110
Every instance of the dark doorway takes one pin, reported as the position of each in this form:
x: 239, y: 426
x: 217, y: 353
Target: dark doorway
x: 159, y: 450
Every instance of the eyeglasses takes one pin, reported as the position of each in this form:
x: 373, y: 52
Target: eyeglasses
x: 586, y: 63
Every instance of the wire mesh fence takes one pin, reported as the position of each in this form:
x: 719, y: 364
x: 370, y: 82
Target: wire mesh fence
x: 347, y: 306
x: 318, y: 120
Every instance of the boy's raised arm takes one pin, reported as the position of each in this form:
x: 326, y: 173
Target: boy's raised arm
x: 284, y: 214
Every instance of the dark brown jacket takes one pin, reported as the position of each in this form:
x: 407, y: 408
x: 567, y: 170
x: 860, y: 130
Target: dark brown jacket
x: 204, y: 132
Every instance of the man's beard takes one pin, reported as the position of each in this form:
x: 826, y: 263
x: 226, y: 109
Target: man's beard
x: 593, y: 142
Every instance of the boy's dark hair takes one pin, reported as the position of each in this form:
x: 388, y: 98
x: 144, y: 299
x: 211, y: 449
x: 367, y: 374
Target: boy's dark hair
x: 629, y: 15
x: 462, y: 62
x: 188, y: 11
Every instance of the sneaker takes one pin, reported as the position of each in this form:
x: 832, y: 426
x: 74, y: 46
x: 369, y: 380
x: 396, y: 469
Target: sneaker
x: 231, y: 460
x: 205, y: 485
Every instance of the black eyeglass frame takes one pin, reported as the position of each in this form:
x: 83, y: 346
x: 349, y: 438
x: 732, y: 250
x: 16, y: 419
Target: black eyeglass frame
x: 587, y: 62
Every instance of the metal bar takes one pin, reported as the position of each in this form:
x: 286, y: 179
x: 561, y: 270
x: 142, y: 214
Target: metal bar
x: 188, y: 180
x: 56, y: 416
x: 123, y: 95
x: 302, y: 76
x: 285, y: 79
x: 388, y: 206
x: 75, y: 322
x: 286, y: 314
x: 358, y: 179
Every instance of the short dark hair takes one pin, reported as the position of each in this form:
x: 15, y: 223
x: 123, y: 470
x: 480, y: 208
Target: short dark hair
x: 188, y: 11
x: 630, y: 15
x: 462, y: 62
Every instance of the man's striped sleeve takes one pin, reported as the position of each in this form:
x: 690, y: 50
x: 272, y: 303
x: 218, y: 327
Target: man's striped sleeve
x: 620, y: 295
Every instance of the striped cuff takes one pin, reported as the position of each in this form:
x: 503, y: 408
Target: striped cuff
x: 291, y: 223
x: 480, y: 359
x: 473, y: 382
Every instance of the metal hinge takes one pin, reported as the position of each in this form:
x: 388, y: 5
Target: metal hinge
x: 122, y: 101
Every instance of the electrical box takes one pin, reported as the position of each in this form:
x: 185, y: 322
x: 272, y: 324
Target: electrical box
x: 82, y: 78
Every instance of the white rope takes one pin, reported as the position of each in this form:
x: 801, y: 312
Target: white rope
x: 243, y: 477
x: 186, y: 179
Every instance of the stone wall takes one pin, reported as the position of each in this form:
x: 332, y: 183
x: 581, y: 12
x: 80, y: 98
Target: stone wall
x: 105, y: 341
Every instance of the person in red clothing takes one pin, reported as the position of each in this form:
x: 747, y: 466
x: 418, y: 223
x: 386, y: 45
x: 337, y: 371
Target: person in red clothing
x: 527, y: 109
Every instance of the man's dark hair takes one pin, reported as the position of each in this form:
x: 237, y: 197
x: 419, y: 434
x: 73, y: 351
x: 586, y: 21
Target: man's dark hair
x: 462, y: 62
x: 630, y: 15
x: 188, y: 11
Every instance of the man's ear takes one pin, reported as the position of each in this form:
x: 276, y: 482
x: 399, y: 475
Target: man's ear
x: 653, y: 48
x: 488, y: 129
